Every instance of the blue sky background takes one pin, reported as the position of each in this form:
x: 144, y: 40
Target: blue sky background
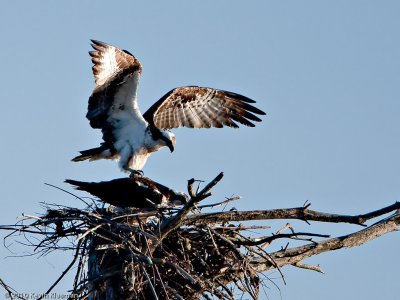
x: 326, y: 72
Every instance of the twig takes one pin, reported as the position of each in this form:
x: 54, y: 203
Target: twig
x: 316, y: 268
x: 266, y: 244
x: 58, y: 188
x: 219, y: 203
x: 213, y: 242
x: 64, y: 272
x: 278, y: 236
x: 149, y: 283
x: 93, y: 229
x: 12, y: 294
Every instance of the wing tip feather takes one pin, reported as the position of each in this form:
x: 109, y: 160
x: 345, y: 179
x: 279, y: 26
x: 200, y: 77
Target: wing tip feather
x: 97, y: 42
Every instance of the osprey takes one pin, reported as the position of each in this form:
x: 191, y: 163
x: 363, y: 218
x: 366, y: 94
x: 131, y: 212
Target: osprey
x: 131, y: 137
x: 128, y: 192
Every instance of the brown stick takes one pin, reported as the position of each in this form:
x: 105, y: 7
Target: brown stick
x: 299, y: 213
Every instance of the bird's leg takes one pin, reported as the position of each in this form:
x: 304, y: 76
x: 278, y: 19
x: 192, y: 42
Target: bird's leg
x: 135, y: 173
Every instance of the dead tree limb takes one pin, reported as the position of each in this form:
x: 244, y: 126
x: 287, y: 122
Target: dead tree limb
x: 296, y: 213
x: 297, y: 254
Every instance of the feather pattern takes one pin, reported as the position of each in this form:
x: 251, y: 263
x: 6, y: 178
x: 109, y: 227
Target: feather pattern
x: 202, y: 107
x: 108, y: 61
x: 113, y: 104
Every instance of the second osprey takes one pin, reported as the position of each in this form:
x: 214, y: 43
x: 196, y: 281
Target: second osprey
x: 130, y: 136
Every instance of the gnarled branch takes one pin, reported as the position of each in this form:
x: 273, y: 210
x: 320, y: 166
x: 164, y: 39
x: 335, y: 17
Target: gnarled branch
x: 296, y: 213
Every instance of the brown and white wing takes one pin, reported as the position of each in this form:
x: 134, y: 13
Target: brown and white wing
x: 109, y: 61
x: 113, y: 101
x: 202, y: 107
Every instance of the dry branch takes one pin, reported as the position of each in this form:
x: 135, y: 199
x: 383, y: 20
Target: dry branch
x: 296, y: 213
x: 167, y: 253
x: 295, y: 255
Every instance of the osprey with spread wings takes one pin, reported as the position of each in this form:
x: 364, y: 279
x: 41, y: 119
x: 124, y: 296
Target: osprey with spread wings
x: 131, y: 137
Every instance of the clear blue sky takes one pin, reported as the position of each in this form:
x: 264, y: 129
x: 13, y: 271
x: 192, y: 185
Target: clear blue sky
x: 326, y: 72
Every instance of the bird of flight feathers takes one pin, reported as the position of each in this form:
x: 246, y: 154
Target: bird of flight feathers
x: 131, y: 137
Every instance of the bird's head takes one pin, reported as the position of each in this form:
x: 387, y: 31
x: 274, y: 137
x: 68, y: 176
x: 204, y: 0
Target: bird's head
x: 169, y: 138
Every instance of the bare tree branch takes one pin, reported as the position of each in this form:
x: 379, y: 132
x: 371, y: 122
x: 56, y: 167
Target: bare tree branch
x: 297, y: 213
x: 294, y: 255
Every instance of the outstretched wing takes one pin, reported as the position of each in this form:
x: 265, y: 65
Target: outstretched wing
x: 109, y: 61
x: 113, y: 103
x: 201, y: 107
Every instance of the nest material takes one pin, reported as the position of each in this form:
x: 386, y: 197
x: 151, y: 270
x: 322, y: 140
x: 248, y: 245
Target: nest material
x: 122, y: 258
x: 165, y: 252
x: 131, y: 253
x: 190, y: 262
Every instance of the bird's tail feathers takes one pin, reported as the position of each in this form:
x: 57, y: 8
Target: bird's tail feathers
x: 93, y: 154
x: 79, y: 185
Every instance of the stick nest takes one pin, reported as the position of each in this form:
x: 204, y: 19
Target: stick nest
x: 168, y: 252
x: 154, y: 253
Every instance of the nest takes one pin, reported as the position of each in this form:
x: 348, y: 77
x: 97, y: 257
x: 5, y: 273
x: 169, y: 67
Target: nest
x: 131, y: 253
x: 150, y: 253
x: 178, y: 252
x: 127, y: 259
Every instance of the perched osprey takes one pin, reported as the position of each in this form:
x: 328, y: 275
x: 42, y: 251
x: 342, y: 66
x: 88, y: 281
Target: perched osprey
x: 131, y: 137
x: 131, y: 192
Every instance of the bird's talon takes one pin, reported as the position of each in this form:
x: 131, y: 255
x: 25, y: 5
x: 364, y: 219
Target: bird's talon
x: 136, y: 173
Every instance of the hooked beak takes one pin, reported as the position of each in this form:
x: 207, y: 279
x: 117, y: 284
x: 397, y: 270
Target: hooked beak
x: 170, y: 146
